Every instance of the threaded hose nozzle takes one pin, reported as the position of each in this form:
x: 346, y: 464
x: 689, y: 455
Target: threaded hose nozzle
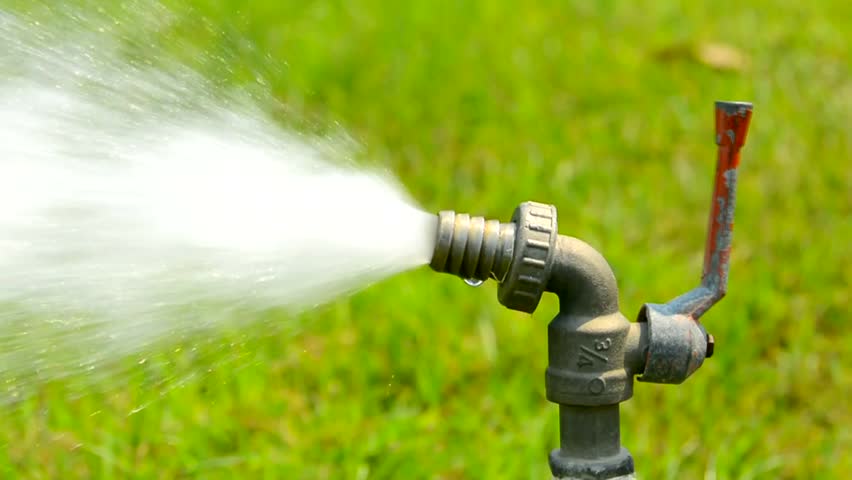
x: 519, y: 254
x: 473, y: 247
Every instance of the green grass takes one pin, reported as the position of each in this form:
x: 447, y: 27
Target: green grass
x: 602, y: 108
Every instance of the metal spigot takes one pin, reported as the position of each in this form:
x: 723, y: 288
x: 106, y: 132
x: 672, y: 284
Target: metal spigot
x: 594, y: 352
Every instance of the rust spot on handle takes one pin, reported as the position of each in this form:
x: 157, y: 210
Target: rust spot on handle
x: 677, y: 343
x: 732, y: 121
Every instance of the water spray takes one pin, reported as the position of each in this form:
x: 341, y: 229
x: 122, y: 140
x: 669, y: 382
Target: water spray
x: 594, y: 352
x: 140, y: 208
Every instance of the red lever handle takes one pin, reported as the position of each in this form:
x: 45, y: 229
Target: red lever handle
x: 677, y: 343
x: 732, y: 121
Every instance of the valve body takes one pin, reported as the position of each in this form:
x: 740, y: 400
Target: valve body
x: 593, y: 350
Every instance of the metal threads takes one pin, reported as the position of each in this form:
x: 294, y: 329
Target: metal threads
x: 472, y: 247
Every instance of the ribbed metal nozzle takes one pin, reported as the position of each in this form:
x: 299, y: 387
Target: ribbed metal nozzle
x: 473, y: 247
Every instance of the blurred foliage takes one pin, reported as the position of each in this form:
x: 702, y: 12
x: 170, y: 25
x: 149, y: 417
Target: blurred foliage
x: 602, y: 108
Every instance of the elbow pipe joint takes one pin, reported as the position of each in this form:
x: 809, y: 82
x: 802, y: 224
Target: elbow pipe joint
x: 593, y: 350
x: 527, y: 257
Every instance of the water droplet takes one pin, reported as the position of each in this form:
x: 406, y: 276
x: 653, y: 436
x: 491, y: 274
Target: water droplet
x: 473, y: 282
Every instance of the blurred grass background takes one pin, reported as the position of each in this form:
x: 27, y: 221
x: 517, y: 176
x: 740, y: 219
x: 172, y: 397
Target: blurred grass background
x: 602, y: 108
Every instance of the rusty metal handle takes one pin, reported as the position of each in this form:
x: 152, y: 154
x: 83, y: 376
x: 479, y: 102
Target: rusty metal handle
x: 677, y: 343
x: 732, y: 121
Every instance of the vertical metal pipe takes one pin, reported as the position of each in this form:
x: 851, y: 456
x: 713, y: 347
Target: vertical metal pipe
x: 589, y: 432
x: 590, y: 438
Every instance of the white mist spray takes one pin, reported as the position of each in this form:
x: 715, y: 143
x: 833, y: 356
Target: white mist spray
x: 131, y: 205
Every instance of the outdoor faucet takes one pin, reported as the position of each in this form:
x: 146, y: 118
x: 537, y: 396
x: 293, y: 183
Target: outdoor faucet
x: 594, y: 351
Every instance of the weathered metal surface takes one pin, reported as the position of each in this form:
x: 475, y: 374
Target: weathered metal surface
x: 590, y: 444
x: 587, y: 339
x: 678, y: 344
x: 472, y: 247
x: 732, y: 121
x: 535, y: 244
x: 586, y: 360
x: 593, y: 351
x: 518, y: 254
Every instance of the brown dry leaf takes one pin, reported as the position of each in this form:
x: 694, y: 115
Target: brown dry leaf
x: 721, y: 56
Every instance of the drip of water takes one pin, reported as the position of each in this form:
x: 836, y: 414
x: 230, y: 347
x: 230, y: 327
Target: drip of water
x: 135, y: 208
